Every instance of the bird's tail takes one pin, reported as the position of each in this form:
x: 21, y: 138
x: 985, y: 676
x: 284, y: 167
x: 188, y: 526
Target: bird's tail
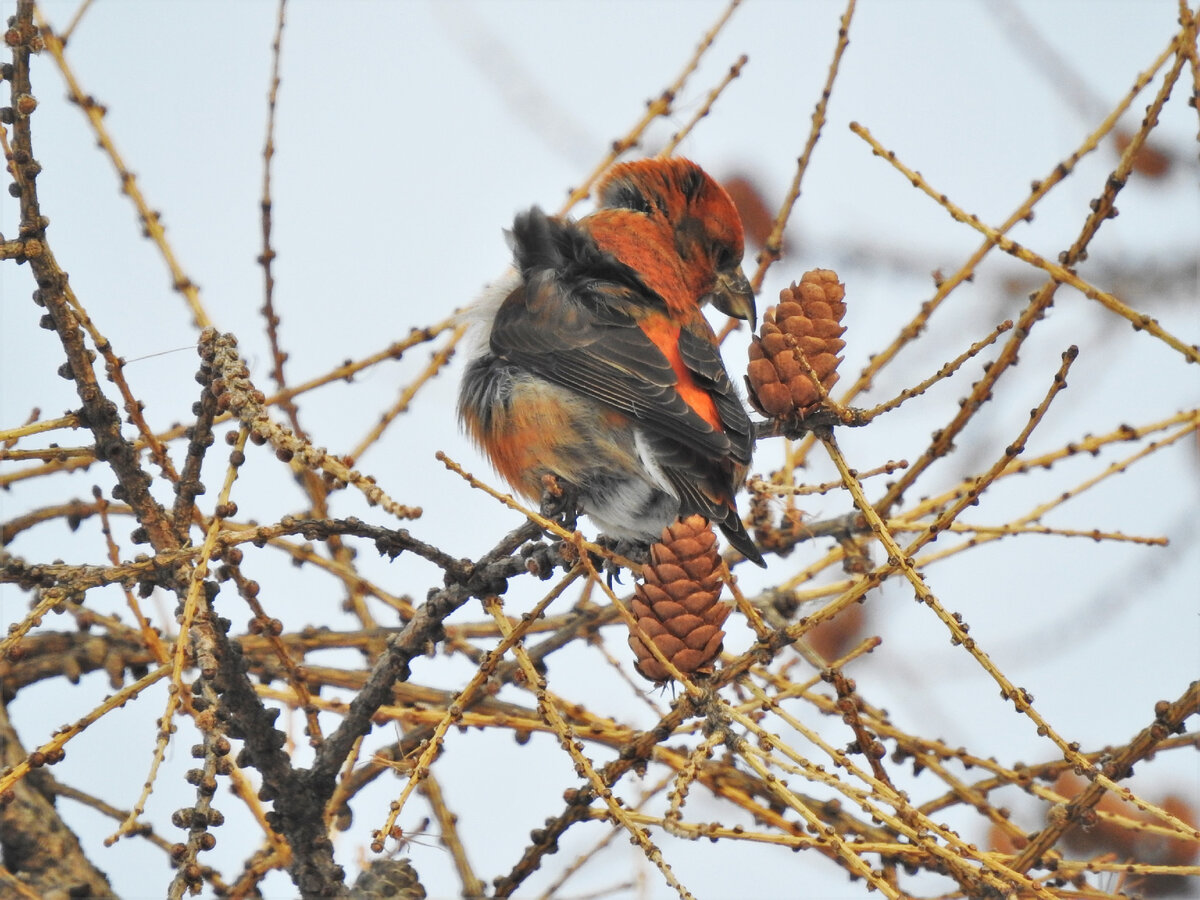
x: 733, y: 529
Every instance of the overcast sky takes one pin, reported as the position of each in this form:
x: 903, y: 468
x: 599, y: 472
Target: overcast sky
x: 408, y: 135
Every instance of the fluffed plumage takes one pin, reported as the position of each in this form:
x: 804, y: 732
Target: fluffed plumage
x: 597, y: 366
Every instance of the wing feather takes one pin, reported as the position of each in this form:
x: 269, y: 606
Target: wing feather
x: 573, y: 323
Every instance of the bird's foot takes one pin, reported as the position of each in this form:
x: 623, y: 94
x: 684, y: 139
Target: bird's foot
x: 632, y: 549
x: 559, y: 503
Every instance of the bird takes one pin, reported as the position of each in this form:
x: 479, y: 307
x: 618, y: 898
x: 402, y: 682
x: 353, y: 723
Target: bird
x: 592, y: 360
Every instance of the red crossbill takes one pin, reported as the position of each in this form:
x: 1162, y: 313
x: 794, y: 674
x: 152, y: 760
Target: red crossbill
x: 596, y: 365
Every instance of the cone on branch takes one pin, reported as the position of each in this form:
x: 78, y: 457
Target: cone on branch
x: 807, y: 323
x: 678, y: 605
x: 389, y: 879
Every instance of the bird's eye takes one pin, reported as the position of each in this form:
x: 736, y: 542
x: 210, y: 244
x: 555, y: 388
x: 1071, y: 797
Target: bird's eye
x: 723, y: 257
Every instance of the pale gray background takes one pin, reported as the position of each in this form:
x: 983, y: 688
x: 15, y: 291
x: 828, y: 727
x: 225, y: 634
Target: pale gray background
x: 408, y: 135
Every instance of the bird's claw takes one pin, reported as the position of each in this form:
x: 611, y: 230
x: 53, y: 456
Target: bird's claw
x: 559, y: 503
x: 630, y: 548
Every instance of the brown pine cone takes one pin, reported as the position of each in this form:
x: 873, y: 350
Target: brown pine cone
x: 807, y: 320
x: 388, y: 878
x: 678, y: 605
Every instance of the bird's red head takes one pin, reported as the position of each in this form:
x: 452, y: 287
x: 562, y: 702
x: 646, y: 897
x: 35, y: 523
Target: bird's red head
x: 703, y: 224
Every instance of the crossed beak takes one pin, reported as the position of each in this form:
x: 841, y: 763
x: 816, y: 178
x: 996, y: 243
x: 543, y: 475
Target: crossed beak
x: 734, y: 296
